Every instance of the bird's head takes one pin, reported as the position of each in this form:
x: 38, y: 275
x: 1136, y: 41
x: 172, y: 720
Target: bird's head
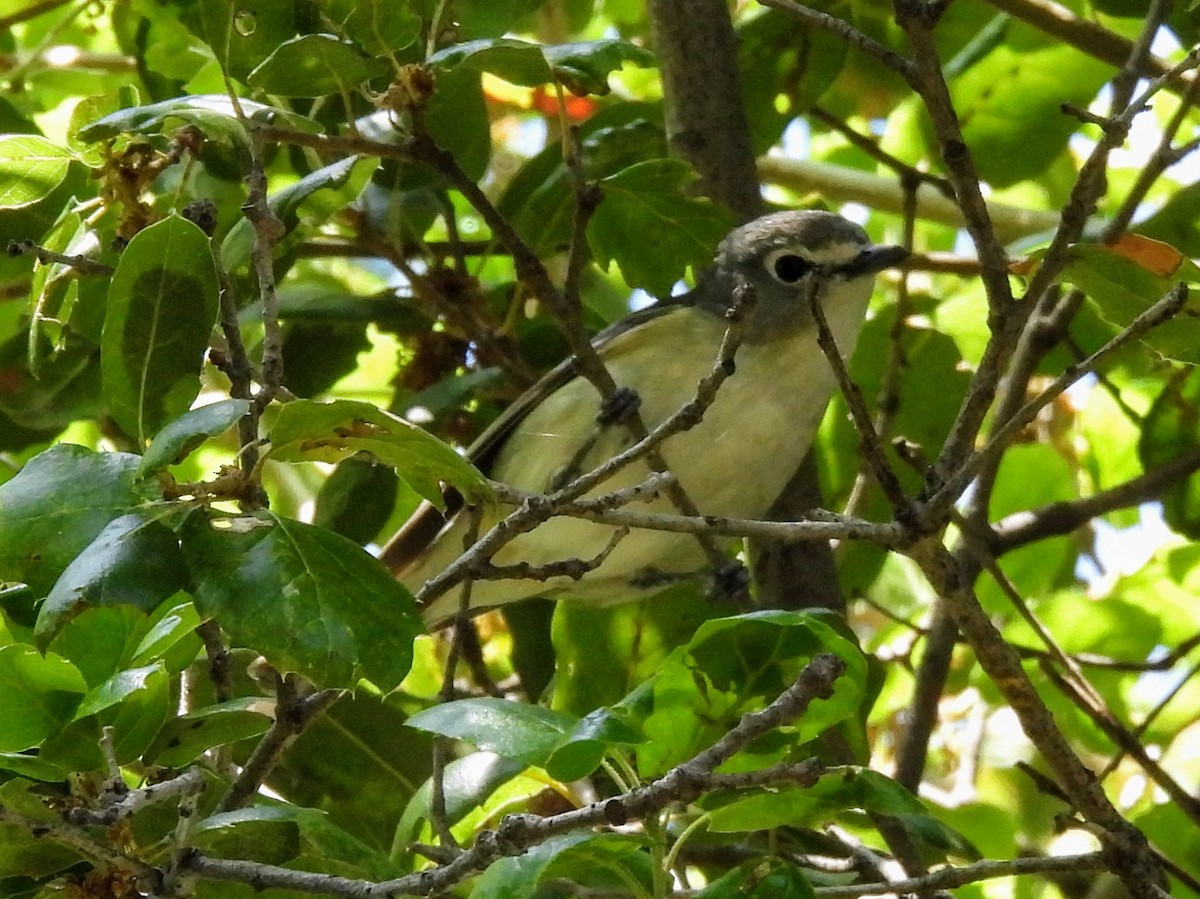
x: 776, y: 252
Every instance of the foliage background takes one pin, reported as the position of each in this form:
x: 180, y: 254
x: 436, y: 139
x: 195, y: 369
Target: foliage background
x: 388, y: 220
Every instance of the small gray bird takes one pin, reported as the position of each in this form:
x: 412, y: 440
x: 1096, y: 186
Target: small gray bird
x: 734, y: 463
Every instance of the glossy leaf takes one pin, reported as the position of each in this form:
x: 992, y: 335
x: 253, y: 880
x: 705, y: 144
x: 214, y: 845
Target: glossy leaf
x: 162, y: 305
x: 308, y: 600
x: 314, y: 64
x: 31, y: 167
x: 57, y: 505
x: 583, y: 68
x: 134, y: 561
x: 515, y: 730
x: 119, y: 688
x: 213, y: 114
x: 330, y: 432
x: 38, y: 695
x: 186, y: 433
x: 1016, y: 91
x: 1122, y: 286
x: 760, y: 879
x: 733, y: 665
x: 1172, y: 429
x: 651, y: 229
x: 288, y: 202
x: 379, y: 26
x: 187, y: 737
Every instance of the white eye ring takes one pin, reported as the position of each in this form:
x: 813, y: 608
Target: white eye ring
x: 787, y: 266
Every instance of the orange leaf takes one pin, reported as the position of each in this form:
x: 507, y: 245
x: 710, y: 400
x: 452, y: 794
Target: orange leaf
x: 1156, y: 257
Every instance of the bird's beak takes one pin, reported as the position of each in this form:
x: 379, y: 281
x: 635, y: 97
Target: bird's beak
x: 872, y: 260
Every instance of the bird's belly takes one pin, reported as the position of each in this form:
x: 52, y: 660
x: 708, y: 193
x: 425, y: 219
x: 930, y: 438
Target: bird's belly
x: 734, y: 463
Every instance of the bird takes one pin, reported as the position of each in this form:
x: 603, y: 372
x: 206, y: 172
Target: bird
x: 734, y: 463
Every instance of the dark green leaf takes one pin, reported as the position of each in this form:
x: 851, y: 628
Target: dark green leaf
x: 162, y: 305
x: 31, y: 167
x: 651, y: 229
x: 350, y: 172
x: 511, y: 878
x: 1121, y: 289
x: 313, y: 65
x: 211, y: 113
x: 38, y: 695
x: 381, y: 27
x: 838, y: 789
x: 580, y: 752
x: 264, y: 834
x: 23, y: 855
x: 733, y: 665
x: 616, y: 862
x: 760, y: 879
x: 520, y: 62
x: 134, y: 561
x: 489, y: 18
x: 99, y: 641
x: 1171, y: 429
x: 179, y: 438
x: 186, y: 738
x: 120, y: 687
x: 583, y: 68
x: 57, y: 505
x: 357, y: 499
x: 1014, y: 92
x: 330, y: 432
x: 515, y: 730
x: 308, y: 600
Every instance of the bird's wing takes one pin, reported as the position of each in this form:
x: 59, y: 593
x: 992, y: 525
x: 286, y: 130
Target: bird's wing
x: 422, y: 528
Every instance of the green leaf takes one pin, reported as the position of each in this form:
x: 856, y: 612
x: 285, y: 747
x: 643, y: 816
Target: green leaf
x: 1015, y: 92
x: 264, y: 834
x: 22, y: 854
x: 179, y: 438
x: 184, y: 739
x: 31, y: 167
x: 838, y: 789
x: 134, y: 561
x: 313, y: 65
x: 760, y: 878
x: 1121, y: 288
x: 307, y: 431
x: 120, y: 687
x: 739, y: 664
x: 162, y: 305
x: 519, y: 62
x: 650, y: 229
x: 1171, y: 429
x: 55, y: 289
x: 580, y: 752
x: 99, y: 640
x: 57, y: 505
x: 510, y: 878
x: 38, y: 695
x: 213, y: 114
x: 357, y: 499
x: 381, y: 27
x: 616, y: 863
x: 583, y: 67
x: 308, y: 600
x: 171, y: 637
x: 287, y: 203
x: 515, y: 730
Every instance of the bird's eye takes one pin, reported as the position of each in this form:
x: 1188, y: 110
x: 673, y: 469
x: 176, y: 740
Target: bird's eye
x: 787, y: 267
